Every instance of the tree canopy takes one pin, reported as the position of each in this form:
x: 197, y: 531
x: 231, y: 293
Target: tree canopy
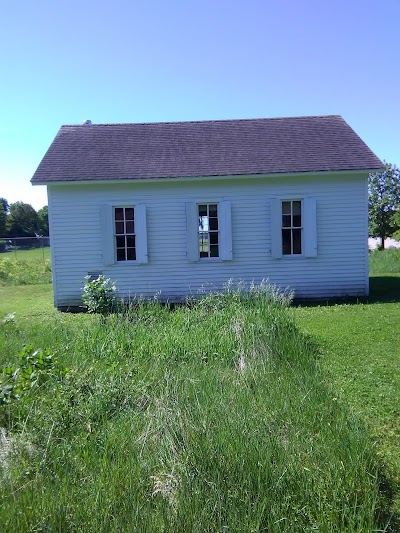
x: 384, y: 202
x: 22, y: 221
x: 43, y: 217
x: 4, y: 207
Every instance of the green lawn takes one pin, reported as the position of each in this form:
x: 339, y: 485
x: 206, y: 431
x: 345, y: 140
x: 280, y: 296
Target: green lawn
x: 27, y: 255
x: 27, y: 301
x: 360, y: 348
x: 155, y: 408
x: 157, y: 426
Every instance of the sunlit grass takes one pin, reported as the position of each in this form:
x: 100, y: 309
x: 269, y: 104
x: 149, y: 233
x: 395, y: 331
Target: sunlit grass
x: 361, y: 352
x: 35, y: 254
x: 210, y: 417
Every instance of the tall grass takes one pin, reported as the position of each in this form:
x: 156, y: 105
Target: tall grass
x: 24, y: 272
x: 209, y: 417
x: 384, y: 261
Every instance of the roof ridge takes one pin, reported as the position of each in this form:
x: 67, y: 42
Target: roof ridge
x: 201, y: 121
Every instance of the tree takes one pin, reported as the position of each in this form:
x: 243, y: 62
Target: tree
x: 4, y: 207
x: 43, y: 216
x: 383, y: 199
x: 22, y: 221
x: 396, y: 222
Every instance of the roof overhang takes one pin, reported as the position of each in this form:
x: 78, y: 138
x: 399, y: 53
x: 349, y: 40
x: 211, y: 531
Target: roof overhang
x: 102, y: 181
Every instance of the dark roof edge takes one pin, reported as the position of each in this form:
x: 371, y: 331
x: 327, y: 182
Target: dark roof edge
x: 215, y: 176
x: 200, y: 121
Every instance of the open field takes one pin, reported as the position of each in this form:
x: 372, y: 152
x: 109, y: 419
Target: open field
x: 147, y: 420
x: 206, y: 418
x: 35, y: 254
x: 28, y: 267
x: 360, y: 350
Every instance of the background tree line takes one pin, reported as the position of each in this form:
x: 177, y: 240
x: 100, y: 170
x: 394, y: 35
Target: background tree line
x: 21, y: 220
x: 384, y: 204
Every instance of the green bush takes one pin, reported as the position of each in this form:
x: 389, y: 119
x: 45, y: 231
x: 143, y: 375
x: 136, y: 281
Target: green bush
x: 19, y: 382
x: 99, y: 295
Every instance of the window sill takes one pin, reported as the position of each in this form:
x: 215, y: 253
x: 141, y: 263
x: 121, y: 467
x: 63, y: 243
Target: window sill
x: 127, y: 263
x: 210, y: 260
x: 291, y: 257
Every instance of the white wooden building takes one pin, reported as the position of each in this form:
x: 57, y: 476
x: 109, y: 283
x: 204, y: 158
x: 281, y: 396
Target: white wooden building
x: 174, y: 209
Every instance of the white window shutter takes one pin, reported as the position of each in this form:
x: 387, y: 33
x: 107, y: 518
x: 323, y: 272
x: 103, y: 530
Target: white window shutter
x: 141, y: 233
x: 276, y: 228
x: 192, y: 226
x: 225, y: 220
x: 310, y: 227
x: 107, y: 234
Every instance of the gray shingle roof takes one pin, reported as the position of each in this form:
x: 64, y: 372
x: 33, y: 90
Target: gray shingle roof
x: 207, y: 148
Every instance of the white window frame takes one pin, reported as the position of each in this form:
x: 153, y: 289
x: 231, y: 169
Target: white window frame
x: 309, y: 227
x: 209, y: 232
x: 224, y: 229
x: 125, y: 234
x: 108, y: 234
x: 291, y: 227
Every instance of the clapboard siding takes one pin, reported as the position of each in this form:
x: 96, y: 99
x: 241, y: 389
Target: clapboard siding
x: 338, y: 269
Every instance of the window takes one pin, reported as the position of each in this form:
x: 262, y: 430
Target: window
x: 208, y: 230
x: 124, y: 233
x: 291, y: 227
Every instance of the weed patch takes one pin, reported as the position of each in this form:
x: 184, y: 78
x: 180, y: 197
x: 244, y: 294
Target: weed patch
x: 17, y: 272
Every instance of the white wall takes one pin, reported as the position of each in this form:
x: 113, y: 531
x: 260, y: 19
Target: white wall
x: 339, y: 269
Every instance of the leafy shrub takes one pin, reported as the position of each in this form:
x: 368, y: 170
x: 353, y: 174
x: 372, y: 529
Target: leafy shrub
x: 99, y: 295
x: 33, y: 368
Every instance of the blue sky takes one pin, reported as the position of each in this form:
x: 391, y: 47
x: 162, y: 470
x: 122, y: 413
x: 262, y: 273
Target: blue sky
x: 144, y: 61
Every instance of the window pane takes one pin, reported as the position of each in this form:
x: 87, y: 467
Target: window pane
x: 130, y: 242
x: 213, y: 210
x: 203, y: 223
x: 286, y: 221
x: 213, y: 223
x: 286, y: 241
x: 120, y: 241
x: 296, y: 221
x: 203, y: 254
x: 297, y: 241
x: 119, y: 213
x: 297, y: 208
x: 121, y: 254
x: 214, y: 238
x: 286, y: 208
x: 214, y: 250
x: 131, y: 254
x: 203, y: 242
x: 130, y: 227
x: 119, y: 227
x: 129, y: 213
x: 202, y: 210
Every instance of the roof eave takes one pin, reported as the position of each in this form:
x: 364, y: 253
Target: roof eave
x: 210, y: 177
